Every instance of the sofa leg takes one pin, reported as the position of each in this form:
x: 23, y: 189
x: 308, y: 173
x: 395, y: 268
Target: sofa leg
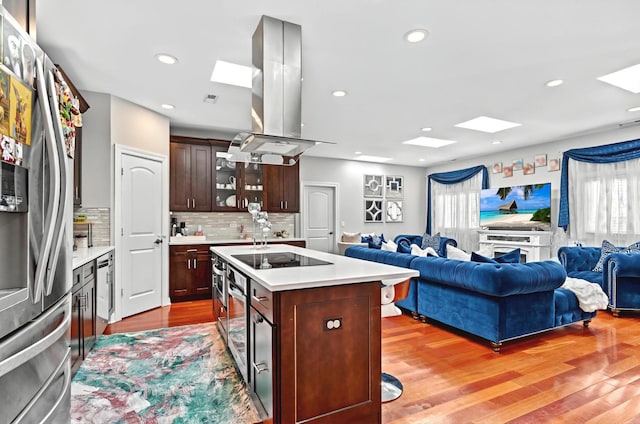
x: 414, y: 315
x: 423, y: 319
x: 496, y: 346
x: 586, y: 323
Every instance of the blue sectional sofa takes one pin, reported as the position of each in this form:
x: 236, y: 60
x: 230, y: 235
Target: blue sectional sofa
x: 620, y: 277
x: 497, y: 302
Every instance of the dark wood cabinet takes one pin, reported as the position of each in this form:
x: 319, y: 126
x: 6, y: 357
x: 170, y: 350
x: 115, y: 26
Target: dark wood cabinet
x: 190, y: 174
x: 77, y: 170
x: 203, y: 179
x: 282, y: 188
x: 83, y: 315
x: 295, y: 333
x: 189, y: 272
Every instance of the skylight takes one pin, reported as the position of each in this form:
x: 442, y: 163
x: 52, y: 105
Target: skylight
x: 367, y: 158
x: 627, y: 79
x: 429, y: 142
x: 231, y: 73
x: 486, y: 124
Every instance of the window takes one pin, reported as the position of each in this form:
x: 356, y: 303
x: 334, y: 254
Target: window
x: 604, y: 201
x: 456, y: 211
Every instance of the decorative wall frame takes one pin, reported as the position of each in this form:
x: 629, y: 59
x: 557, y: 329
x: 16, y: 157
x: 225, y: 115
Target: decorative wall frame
x: 393, y: 211
x: 540, y: 160
x: 554, y: 164
x: 529, y: 168
x: 373, y: 185
x: 497, y: 168
x: 394, y: 187
x: 372, y: 210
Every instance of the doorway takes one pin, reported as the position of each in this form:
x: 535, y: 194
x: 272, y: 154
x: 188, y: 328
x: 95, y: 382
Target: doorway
x: 320, y: 215
x: 140, y: 239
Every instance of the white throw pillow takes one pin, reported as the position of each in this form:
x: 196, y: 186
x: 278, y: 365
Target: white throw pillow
x: 417, y: 251
x: 351, y: 237
x: 389, y: 246
x: 459, y: 254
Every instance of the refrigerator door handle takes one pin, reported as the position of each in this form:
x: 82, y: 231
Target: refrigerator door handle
x: 54, y: 184
x: 60, y: 222
x: 33, y: 350
x: 66, y: 364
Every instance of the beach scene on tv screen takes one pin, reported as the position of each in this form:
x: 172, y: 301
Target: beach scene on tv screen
x: 526, y: 207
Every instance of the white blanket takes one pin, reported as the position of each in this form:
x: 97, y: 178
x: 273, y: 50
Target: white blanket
x: 590, y: 295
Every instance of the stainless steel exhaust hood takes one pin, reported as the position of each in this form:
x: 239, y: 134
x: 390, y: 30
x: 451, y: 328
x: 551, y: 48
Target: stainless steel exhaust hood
x: 276, y: 99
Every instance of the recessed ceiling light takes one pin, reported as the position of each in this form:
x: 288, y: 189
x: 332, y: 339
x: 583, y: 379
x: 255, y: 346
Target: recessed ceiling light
x: 372, y: 158
x: 416, y: 35
x: 339, y: 93
x: 634, y: 109
x: 420, y: 160
x: 555, y: 83
x: 429, y: 142
x: 232, y: 74
x: 166, y: 58
x: 627, y: 79
x: 486, y: 124
x: 426, y: 129
x: 167, y: 106
x: 357, y: 153
x: 496, y: 142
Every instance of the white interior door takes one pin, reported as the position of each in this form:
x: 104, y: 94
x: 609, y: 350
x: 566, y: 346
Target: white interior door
x: 141, y: 212
x: 319, y: 217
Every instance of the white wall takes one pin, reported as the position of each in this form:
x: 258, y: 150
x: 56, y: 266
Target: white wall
x: 135, y: 126
x: 349, y: 176
x: 96, y: 151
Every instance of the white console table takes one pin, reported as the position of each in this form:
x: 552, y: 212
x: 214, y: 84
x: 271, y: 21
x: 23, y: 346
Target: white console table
x: 534, y: 245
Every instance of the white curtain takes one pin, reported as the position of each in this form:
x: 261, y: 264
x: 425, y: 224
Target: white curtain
x: 456, y: 211
x: 604, y: 202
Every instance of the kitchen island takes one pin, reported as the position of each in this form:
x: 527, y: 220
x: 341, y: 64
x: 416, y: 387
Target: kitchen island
x: 311, y: 350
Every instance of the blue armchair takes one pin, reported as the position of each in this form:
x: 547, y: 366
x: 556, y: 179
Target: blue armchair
x: 620, y: 277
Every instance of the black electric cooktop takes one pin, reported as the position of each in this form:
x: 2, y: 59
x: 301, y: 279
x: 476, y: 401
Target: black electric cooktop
x: 278, y: 260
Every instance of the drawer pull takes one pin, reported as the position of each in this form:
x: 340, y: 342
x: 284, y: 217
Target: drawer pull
x: 260, y: 367
x: 260, y: 299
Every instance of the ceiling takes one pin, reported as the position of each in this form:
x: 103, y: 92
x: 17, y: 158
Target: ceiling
x: 481, y: 58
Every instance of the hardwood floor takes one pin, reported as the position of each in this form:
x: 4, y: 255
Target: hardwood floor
x: 569, y: 375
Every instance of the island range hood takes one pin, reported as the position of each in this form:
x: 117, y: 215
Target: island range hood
x: 276, y: 99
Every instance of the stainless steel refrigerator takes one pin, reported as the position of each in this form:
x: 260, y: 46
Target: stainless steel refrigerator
x: 35, y: 238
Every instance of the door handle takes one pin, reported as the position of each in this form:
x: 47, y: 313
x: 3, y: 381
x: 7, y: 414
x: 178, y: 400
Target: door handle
x: 330, y: 233
x: 158, y: 240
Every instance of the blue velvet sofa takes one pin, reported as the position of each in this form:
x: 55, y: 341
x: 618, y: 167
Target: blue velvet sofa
x: 497, y: 302
x: 620, y: 277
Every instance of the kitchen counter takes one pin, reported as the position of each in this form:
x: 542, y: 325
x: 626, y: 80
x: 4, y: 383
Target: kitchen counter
x: 84, y: 255
x: 212, y: 241
x: 341, y: 270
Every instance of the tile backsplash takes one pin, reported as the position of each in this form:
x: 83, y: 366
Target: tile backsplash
x: 226, y: 225
x: 100, y: 217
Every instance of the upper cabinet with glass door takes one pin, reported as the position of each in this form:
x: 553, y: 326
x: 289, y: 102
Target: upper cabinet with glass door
x: 236, y: 183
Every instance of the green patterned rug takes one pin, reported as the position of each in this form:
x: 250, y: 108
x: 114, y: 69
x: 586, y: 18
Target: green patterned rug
x: 170, y: 375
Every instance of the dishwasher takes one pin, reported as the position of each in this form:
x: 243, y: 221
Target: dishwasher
x: 104, y: 292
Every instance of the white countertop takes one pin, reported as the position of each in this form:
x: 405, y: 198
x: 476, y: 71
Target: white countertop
x: 213, y: 241
x: 84, y: 255
x: 342, y: 270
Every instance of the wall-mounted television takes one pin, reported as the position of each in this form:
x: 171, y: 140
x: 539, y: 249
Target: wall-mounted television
x: 525, y: 207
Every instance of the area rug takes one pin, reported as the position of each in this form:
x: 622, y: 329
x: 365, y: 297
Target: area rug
x: 171, y: 375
